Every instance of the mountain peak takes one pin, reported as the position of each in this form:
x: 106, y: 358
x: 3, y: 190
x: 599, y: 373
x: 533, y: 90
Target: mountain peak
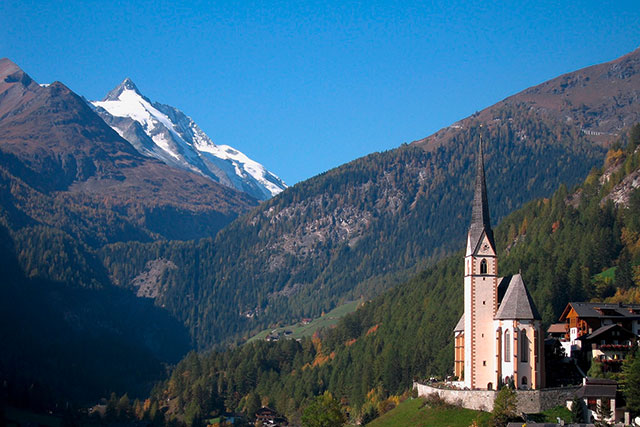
x: 166, y: 133
x: 127, y: 84
x: 7, y: 67
x: 11, y: 73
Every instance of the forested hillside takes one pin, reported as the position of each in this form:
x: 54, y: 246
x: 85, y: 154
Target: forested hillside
x: 357, y: 229
x: 560, y: 243
x: 69, y: 185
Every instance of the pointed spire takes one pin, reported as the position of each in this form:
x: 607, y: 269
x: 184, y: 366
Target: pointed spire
x: 480, y: 220
x: 480, y: 212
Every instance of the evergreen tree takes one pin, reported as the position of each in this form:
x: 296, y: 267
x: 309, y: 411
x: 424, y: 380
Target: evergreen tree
x: 111, y: 412
x: 602, y: 415
x: 252, y: 404
x: 578, y: 413
x: 324, y: 411
x: 631, y: 382
x: 123, y: 407
x: 504, y: 407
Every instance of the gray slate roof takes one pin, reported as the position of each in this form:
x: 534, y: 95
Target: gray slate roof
x: 612, y: 311
x: 480, y: 220
x: 603, y: 329
x: 596, y: 387
x: 460, y: 325
x: 517, y: 302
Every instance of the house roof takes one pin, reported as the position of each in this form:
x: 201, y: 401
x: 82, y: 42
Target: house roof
x: 557, y: 328
x: 480, y: 220
x: 596, y: 387
x: 460, y: 325
x: 604, y: 329
x: 517, y: 302
x: 602, y: 310
x: 265, y: 410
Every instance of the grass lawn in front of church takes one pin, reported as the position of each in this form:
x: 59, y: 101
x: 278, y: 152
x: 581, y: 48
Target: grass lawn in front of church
x: 412, y: 412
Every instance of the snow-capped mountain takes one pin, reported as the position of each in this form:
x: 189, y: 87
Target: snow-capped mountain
x: 166, y: 133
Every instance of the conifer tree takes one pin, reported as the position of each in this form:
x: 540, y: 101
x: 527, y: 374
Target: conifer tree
x: 324, y: 411
x: 578, y: 414
x: 631, y: 382
x: 603, y: 413
x: 504, y: 407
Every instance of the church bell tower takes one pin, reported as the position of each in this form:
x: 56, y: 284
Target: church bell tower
x: 480, y: 291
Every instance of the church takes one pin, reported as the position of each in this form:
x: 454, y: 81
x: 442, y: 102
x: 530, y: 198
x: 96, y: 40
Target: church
x: 499, y: 338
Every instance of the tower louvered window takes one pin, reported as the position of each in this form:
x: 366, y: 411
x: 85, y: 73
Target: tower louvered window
x: 483, y: 266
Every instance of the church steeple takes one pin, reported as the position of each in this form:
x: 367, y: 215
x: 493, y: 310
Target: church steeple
x: 480, y: 220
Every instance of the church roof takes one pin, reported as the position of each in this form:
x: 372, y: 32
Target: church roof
x: 517, y: 302
x: 460, y: 325
x: 480, y: 220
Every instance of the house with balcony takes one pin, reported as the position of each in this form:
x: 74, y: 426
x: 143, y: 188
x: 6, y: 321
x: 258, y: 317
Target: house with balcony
x: 591, y: 324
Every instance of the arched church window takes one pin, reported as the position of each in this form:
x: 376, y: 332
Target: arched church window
x: 483, y: 266
x: 524, y: 346
x: 507, y: 346
x: 490, y: 386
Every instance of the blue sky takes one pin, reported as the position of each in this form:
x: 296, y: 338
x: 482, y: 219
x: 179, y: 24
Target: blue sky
x: 303, y: 87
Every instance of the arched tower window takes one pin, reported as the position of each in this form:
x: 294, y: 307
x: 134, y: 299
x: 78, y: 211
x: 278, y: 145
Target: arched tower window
x: 507, y: 346
x: 524, y: 346
x: 483, y: 266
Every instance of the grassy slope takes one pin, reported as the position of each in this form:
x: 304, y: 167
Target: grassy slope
x: 300, y: 330
x: 411, y: 412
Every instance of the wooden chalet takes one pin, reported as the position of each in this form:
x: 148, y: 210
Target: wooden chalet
x: 584, y: 319
x: 268, y: 417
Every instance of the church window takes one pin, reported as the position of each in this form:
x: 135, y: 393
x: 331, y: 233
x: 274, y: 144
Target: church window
x: 484, y: 363
x: 483, y: 266
x: 524, y: 346
x: 507, y: 346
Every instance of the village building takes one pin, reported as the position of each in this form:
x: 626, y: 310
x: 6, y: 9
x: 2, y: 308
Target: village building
x: 597, y: 392
x: 584, y: 323
x: 267, y: 417
x: 498, y: 339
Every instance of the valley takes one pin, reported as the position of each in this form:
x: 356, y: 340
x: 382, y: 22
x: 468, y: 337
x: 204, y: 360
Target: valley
x: 136, y: 262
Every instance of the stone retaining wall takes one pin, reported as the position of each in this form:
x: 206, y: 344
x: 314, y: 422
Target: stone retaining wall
x: 529, y: 401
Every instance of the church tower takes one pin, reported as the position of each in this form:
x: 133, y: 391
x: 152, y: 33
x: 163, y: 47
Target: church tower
x: 499, y: 338
x: 480, y: 291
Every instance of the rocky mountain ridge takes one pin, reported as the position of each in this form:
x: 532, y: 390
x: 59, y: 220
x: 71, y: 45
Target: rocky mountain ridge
x: 600, y: 100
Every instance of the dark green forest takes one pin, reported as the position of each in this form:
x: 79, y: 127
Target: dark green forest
x: 559, y: 243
